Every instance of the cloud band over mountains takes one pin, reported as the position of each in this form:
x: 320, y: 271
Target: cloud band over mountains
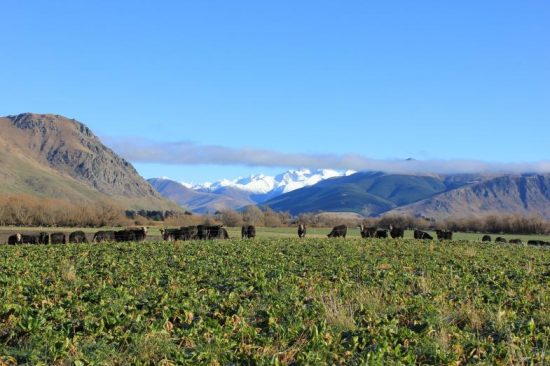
x: 189, y: 153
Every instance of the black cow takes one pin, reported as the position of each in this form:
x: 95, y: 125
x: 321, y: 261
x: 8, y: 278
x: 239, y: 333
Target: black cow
x: 422, y: 235
x: 125, y: 235
x: 486, y: 238
x: 515, y: 241
x: 218, y: 232
x: 206, y: 232
x: 248, y: 232
x: 444, y: 234
x: 188, y: 232
x: 396, y: 232
x: 102, y: 236
x: 302, y: 231
x: 367, y: 232
x: 77, y: 237
x: 381, y: 234
x: 58, y: 238
x: 169, y: 234
x: 500, y: 240
x: 139, y: 233
x: 338, y: 231
x: 537, y: 242
x: 41, y: 238
x: 15, y: 239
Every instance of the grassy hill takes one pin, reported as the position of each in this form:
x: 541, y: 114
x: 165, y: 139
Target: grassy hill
x: 368, y: 193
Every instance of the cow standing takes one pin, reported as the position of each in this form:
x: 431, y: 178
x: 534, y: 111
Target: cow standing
x: 486, y: 238
x: 139, y: 234
x: 248, y: 232
x: 338, y: 231
x: 125, y: 235
x: 301, y: 231
x: 102, y: 236
x: 381, y: 234
x: 15, y: 239
x: 396, y: 232
x: 501, y: 240
x: 367, y: 232
x: 58, y: 238
x: 444, y: 234
x: 77, y: 237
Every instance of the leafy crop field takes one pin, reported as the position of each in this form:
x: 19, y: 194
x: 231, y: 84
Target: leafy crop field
x: 275, y: 301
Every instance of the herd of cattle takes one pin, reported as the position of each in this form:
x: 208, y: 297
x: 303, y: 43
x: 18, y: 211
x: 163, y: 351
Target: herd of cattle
x: 78, y: 237
x: 210, y: 232
x: 394, y: 232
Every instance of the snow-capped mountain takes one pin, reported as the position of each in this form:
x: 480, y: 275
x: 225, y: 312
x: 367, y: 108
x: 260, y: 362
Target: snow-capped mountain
x: 240, y: 192
x: 260, y: 184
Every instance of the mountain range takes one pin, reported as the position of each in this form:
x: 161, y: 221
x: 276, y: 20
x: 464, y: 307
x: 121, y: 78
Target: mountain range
x: 240, y: 192
x: 372, y: 193
x: 49, y: 155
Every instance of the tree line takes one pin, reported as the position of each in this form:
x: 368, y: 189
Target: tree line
x: 27, y: 210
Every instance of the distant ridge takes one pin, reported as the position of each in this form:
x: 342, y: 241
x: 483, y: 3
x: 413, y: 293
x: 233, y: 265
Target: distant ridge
x: 49, y: 155
x: 527, y: 194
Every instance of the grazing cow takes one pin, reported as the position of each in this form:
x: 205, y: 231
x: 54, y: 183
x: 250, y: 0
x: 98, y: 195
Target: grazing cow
x: 139, y: 233
x: 188, y: 232
x: 58, y: 238
x: 206, y: 232
x: 444, y: 234
x: 486, y: 238
x: 43, y: 238
x: 15, y: 239
x: 34, y: 239
x: 248, y: 232
x: 381, y: 234
x: 338, y: 231
x: 219, y: 232
x: 102, y: 236
x: 224, y: 233
x: 169, y: 234
x: 77, y: 237
x: 537, y: 242
x: 125, y: 235
x: 422, y: 235
x: 367, y: 232
x: 301, y: 231
x: 396, y: 232
x: 500, y: 240
x: 515, y: 241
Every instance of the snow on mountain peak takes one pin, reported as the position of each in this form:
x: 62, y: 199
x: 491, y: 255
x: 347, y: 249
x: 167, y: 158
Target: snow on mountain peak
x: 282, y: 183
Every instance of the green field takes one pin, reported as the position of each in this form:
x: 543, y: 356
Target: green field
x: 275, y: 300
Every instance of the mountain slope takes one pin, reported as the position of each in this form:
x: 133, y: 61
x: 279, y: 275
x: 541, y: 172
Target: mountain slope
x: 53, y: 156
x: 200, y: 202
x: 516, y: 194
x: 367, y: 193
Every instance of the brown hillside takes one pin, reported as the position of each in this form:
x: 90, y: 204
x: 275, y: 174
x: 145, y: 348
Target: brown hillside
x: 527, y: 194
x: 53, y: 156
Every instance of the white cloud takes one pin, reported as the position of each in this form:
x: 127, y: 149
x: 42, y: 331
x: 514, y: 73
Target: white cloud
x: 189, y: 153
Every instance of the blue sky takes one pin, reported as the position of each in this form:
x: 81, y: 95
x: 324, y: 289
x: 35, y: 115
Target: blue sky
x: 464, y: 80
